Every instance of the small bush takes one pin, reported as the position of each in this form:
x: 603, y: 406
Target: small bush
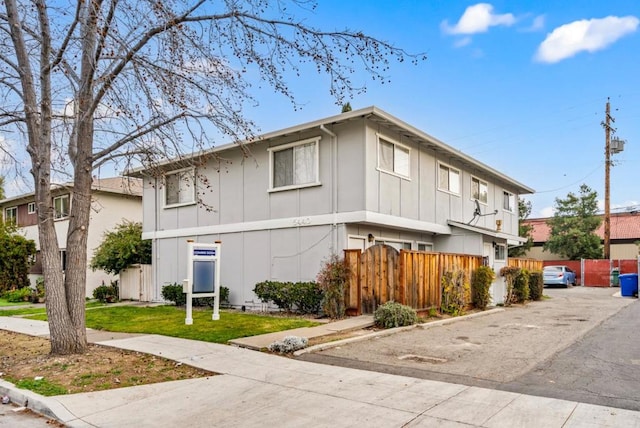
x: 455, y: 292
x: 393, y: 314
x: 521, y: 287
x: 173, y: 293
x: 274, y: 291
x: 288, y: 344
x: 510, y: 273
x: 20, y: 295
x: 106, y: 293
x: 536, y: 285
x: 332, y: 279
x: 481, y: 280
x: 307, y: 297
x: 301, y: 297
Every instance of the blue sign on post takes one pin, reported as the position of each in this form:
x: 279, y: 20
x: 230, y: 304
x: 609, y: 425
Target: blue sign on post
x: 203, y: 276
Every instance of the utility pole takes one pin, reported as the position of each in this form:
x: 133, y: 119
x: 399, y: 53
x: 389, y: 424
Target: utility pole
x: 607, y: 168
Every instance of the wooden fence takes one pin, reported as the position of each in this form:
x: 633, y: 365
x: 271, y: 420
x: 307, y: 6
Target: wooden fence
x: 136, y: 283
x: 532, y: 265
x: 381, y: 274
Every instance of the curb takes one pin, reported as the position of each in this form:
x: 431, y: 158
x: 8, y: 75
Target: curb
x: 388, y: 332
x: 40, y: 404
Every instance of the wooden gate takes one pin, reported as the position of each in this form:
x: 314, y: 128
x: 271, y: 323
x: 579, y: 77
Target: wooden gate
x: 413, y: 278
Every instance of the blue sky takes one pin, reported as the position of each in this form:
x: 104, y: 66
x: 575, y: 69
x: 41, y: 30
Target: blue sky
x: 521, y: 86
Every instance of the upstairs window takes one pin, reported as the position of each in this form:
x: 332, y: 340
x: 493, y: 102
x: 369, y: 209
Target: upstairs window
x: 509, y: 202
x: 393, y: 157
x: 479, y: 190
x: 61, y: 207
x: 448, y: 179
x: 31, y: 208
x: 179, y: 188
x: 11, y: 215
x: 294, y: 165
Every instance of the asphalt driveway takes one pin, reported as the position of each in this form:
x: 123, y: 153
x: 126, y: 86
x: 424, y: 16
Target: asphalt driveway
x: 504, y: 350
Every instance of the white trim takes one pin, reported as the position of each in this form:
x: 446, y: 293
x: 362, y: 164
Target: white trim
x: 394, y: 144
x: 15, y: 218
x: 512, y: 197
x: 63, y: 217
x: 274, y: 149
x: 29, y: 205
x: 164, y: 190
x: 426, y: 244
x: 366, y: 217
x: 480, y: 181
x: 450, y: 169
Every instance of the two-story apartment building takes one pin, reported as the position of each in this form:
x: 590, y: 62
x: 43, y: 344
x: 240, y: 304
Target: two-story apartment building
x: 113, y: 201
x: 347, y: 181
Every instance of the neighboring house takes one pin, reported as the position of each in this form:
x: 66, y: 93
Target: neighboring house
x: 625, y: 232
x: 347, y: 181
x: 113, y: 200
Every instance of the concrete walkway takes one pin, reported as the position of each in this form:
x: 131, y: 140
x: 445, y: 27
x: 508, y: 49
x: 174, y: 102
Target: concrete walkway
x: 260, y: 389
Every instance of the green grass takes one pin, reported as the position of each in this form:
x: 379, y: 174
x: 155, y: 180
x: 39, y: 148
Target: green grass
x: 33, y: 310
x: 5, y: 302
x: 42, y: 386
x: 169, y: 321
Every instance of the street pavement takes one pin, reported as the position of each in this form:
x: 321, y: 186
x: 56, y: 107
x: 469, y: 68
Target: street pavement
x: 260, y: 389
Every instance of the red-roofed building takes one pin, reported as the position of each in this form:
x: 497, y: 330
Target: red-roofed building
x: 625, y: 232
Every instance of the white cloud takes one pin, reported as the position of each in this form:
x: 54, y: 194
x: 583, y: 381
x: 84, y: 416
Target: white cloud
x: 536, y: 25
x: 547, y: 212
x: 584, y: 35
x: 462, y: 42
x: 478, y: 19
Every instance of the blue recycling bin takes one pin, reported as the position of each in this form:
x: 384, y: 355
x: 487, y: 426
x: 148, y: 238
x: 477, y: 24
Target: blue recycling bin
x: 629, y: 284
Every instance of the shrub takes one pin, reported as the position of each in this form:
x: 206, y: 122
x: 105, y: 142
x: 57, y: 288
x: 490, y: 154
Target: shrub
x: 288, y: 344
x: 302, y: 297
x: 510, y: 273
x: 455, y: 292
x: 274, y: 291
x: 332, y: 279
x: 20, y: 295
x: 106, y: 293
x: 481, y: 280
x: 173, y: 293
x: 521, y: 287
x: 536, y: 285
x: 392, y: 314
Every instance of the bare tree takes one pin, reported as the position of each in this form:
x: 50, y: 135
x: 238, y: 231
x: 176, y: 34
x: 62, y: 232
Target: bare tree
x: 137, y: 81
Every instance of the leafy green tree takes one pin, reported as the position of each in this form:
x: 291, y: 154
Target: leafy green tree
x: 16, y: 257
x: 573, y: 226
x: 524, y: 230
x: 122, y: 248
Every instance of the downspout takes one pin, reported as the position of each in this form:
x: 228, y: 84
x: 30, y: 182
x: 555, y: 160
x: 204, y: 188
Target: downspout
x: 334, y: 185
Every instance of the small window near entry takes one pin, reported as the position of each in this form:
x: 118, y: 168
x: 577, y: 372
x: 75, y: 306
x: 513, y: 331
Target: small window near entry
x: 425, y: 247
x: 179, y: 188
x: 63, y: 259
x: 61, y: 207
x: 479, y: 190
x: 295, y: 165
x: 448, y: 179
x: 11, y: 215
x: 31, y: 208
x: 393, y: 157
x: 500, y: 253
x: 508, y: 203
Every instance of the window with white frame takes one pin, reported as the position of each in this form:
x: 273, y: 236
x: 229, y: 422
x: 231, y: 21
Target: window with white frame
x: 295, y: 165
x: 448, y: 179
x: 509, y: 201
x: 31, y: 208
x: 179, y: 188
x: 479, y: 190
x: 11, y: 215
x: 500, y: 252
x: 425, y: 246
x: 61, y: 207
x: 393, y: 157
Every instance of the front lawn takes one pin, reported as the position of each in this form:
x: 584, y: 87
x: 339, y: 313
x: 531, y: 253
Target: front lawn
x: 169, y: 321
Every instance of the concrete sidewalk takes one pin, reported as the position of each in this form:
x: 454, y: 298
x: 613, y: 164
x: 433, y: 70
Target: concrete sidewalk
x: 259, y: 389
